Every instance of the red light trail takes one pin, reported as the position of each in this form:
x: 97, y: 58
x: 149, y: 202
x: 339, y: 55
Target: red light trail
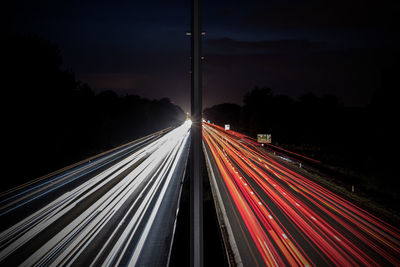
x: 291, y: 219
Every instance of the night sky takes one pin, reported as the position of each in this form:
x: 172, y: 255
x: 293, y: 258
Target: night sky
x: 294, y: 47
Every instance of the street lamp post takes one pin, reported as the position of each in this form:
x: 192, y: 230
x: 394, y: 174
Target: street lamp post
x: 196, y: 184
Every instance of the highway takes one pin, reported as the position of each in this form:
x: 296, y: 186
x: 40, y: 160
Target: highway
x: 272, y: 214
x: 117, y: 208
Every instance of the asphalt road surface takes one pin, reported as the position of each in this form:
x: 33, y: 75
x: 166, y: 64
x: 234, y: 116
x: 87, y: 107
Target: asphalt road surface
x: 272, y: 215
x: 118, y: 208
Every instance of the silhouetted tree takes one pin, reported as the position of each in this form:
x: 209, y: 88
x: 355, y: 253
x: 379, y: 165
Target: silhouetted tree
x: 224, y: 114
x: 355, y: 138
x: 257, y: 105
x: 51, y: 119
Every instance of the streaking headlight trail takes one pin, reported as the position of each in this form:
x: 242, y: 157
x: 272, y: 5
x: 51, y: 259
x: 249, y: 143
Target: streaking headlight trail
x: 105, y: 212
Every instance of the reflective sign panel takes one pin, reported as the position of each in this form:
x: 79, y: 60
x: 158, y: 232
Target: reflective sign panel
x: 264, y: 138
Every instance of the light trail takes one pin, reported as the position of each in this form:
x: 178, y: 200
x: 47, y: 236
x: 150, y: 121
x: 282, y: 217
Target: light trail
x: 106, y: 218
x: 291, y: 219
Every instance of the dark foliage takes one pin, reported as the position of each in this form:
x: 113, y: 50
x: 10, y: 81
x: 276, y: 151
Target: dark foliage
x: 224, y: 113
x: 361, y: 140
x: 49, y: 119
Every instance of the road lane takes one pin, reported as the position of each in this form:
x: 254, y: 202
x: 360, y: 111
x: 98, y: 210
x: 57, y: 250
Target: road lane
x: 106, y: 218
x: 290, y: 219
x: 19, y: 196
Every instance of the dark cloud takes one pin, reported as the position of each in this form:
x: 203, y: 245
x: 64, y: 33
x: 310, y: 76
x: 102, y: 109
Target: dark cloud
x: 140, y: 46
x: 228, y: 44
x: 352, y: 75
x: 224, y: 13
x: 136, y: 47
x: 324, y: 14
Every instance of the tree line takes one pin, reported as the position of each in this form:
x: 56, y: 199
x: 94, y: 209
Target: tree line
x: 50, y: 119
x: 358, y: 140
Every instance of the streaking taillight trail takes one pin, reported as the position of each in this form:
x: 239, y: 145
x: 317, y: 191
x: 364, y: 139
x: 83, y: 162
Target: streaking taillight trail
x: 283, y: 209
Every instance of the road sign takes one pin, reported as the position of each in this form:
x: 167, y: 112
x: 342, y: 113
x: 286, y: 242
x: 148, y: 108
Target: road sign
x: 264, y: 138
x: 227, y: 127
